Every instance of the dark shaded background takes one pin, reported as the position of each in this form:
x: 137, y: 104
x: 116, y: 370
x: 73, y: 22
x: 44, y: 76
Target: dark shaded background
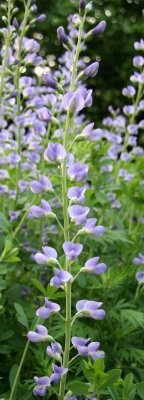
x: 114, y: 47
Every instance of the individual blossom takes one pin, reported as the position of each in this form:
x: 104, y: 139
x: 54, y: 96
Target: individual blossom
x: 41, y: 336
x: 91, y: 229
x: 78, y: 214
x: 49, y: 309
x: 95, y: 31
x: 57, y: 373
x: 125, y: 156
x: 61, y: 276
x: 139, y: 45
x: 78, y: 172
x: 129, y: 91
x: 76, y: 194
x: 139, y: 260
x: 89, y: 134
x: 90, y: 309
x: 73, y: 102
x: 42, y: 384
x: 138, y: 61
x: 72, y: 250
x: 49, y: 256
x: 54, y: 152
x: 79, y: 343
x: 93, y: 352
x: 44, y: 185
x: 94, y: 268
x: 44, y: 114
x: 14, y: 215
x: 140, y: 276
x: 54, y: 351
x: 91, y: 70
x: 39, y: 212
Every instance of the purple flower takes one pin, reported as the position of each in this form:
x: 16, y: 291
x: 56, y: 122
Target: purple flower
x: 74, y: 102
x: 92, y: 266
x: 43, y: 383
x: 54, y: 351
x: 54, y: 152
x: 44, y: 185
x: 78, y: 214
x: 39, y: 212
x: 139, y: 45
x: 133, y: 129
x: 91, y: 70
x: 72, y: 250
x: 90, y: 309
x: 125, y: 156
x: 62, y: 35
x: 91, y: 229
x: 79, y: 341
x: 40, y: 19
x: 44, y: 114
x: 128, y: 110
x: 90, y: 135
x: 129, y: 91
x: 140, y: 276
x: 93, y: 352
x: 78, y: 172
x: 41, y: 336
x: 49, y: 308
x: 138, y: 61
x: 87, y: 96
x: 49, y: 81
x: 14, y: 215
x: 139, y: 260
x: 82, y: 4
x: 95, y: 31
x: 58, y: 372
x: 61, y: 276
x: 49, y: 256
x: 76, y: 194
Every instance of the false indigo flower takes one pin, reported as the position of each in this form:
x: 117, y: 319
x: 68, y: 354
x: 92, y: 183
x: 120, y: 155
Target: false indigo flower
x: 39, y: 212
x: 14, y: 215
x: 82, y: 4
x: 54, y: 351
x: 72, y: 250
x: 129, y: 91
x: 92, y: 266
x: 78, y: 172
x: 49, y: 81
x: 91, y: 229
x: 62, y: 35
x: 138, y: 61
x: 139, y: 260
x: 50, y: 308
x: 90, y: 309
x: 40, y: 19
x: 91, y: 70
x: 49, y: 256
x: 44, y: 114
x: 54, y: 152
x: 93, y: 352
x: 74, y: 102
x: 140, y: 276
x: 78, y: 214
x: 61, y: 276
x: 58, y: 372
x: 41, y: 336
x: 90, y: 135
x: 76, y: 194
x: 44, y: 185
x: 95, y: 31
x: 43, y: 383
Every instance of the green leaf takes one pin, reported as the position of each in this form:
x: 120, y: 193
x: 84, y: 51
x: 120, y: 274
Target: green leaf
x: 128, y: 380
x: 78, y: 387
x: 113, y: 376
x: 2, y: 284
x: 12, y: 374
x: 51, y: 290
x: 21, y: 317
x: 6, y: 335
x: 39, y: 286
x: 4, y: 223
x: 99, y: 364
x: 140, y: 389
x: 88, y: 371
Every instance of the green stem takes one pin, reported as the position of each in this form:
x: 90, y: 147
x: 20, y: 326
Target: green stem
x: 66, y: 224
x: 17, y: 77
x: 21, y: 362
x: 6, y: 50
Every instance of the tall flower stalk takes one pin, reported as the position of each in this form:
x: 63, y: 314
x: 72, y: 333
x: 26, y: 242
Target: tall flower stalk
x: 6, y: 48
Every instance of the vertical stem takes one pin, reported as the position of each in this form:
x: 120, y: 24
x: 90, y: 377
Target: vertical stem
x: 6, y: 50
x: 66, y: 225
x: 17, y: 77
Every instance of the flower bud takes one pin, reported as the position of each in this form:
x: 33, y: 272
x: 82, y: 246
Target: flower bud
x: 3, y: 8
x: 4, y: 19
x: 15, y: 10
x: 44, y: 114
x: 89, y: 6
x: 40, y: 19
x: 91, y: 70
x: 63, y: 37
x: 96, y: 31
x: 82, y: 5
x: 15, y: 23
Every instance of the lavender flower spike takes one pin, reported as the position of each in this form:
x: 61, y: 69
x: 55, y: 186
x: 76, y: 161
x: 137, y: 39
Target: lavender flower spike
x: 60, y: 277
x: 90, y: 309
x: 43, y: 383
x: 54, y: 152
x: 50, y: 308
x: 94, y: 268
x: 49, y: 256
x: 72, y: 250
x: 41, y: 336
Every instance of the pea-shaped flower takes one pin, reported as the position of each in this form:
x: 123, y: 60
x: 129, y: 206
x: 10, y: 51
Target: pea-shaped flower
x: 90, y: 309
x: 49, y: 256
x: 78, y: 172
x: 72, y: 250
x: 140, y: 276
x: 57, y: 373
x: 54, y: 152
x: 94, y: 268
x: 89, y: 134
x: 61, y: 276
x: 44, y: 114
x: 54, y: 351
x: 42, y: 384
x: 93, y: 352
x: 49, y: 308
x: 39, y: 212
x: 78, y: 214
x: 73, y: 102
x: 91, y: 229
x: 44, y: 185
x: 39, y: 336
x: 76, y: 194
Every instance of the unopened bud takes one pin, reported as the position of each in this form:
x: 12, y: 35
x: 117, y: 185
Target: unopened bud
x: 4, y: 19
x: 3, y: 8
x: 63, y: 37
x: 89, y: 6
x: 40, y: 19
x: 15, y: 23
x: 15, y: 10
x: 96, y: 31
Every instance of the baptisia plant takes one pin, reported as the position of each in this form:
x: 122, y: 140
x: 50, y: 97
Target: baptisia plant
x: 74, y: 222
